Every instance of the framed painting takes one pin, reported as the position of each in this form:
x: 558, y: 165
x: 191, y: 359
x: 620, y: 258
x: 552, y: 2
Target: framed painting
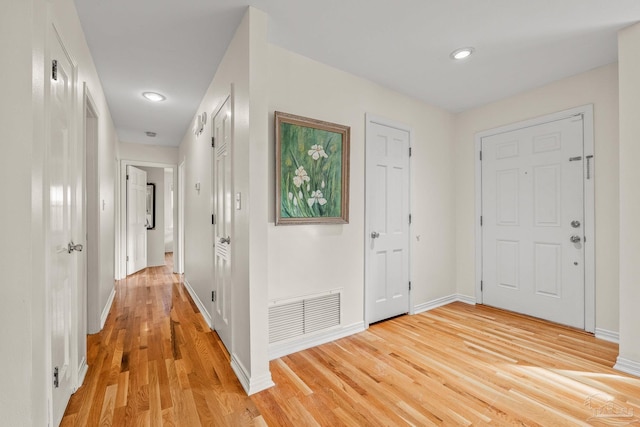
x: 312, y: 171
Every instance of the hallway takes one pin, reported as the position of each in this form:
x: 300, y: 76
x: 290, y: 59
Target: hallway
x: 156, y: 362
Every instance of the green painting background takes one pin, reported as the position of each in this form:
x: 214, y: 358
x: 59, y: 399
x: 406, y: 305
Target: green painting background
x: 296, y: 141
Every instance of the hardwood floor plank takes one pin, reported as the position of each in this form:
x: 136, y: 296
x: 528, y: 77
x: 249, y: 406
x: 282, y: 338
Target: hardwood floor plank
x: 156, y: 363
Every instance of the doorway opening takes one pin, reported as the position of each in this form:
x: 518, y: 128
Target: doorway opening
x: 155, y: 225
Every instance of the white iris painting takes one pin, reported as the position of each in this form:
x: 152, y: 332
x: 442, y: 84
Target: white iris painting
x: 312, y: 162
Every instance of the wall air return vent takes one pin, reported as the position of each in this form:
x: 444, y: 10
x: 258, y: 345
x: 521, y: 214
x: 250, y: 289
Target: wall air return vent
x: 295, y: 318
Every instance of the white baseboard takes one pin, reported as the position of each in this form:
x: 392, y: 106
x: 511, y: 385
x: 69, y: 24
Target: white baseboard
x: 82, y: 372
x: 287, y: 347
x: 605, y: 335
x: 201, y: 307
x: 629, y: 366
x: 250, y: 384
x: 430, y: 305
x: 466, y: 299
x: 107, y: 308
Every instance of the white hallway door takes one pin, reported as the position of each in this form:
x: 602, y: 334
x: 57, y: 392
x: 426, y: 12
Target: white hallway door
x: 533, y: 221
x: 387, y: 204
x: 222, y: 207
x: 136, y: 219
x: 64, y: 223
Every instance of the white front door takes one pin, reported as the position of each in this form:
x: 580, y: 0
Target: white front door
x: 136, y: 219
x: 387, y: 220
x: 222, y: 207
x: 62, y: 257
x: 533, y: 221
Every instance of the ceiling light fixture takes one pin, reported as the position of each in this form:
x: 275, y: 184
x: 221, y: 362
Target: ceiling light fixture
x: 462, y: 53
x: 151, y: 134
x: 153, y: 96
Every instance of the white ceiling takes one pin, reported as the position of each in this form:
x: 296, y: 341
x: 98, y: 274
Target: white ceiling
x: 173, y: 47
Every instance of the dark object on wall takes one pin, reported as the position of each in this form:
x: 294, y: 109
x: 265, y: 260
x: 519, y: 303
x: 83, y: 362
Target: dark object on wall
x: 151, y: 206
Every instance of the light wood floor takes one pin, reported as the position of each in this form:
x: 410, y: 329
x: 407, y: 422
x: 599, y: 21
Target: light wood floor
x: 157, y: 363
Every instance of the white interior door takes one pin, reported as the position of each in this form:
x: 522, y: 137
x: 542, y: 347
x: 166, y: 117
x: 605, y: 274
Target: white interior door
x: 387, y: 218
x: 222, y: 205
x: 136, y: 219
x: 62, y: 259
x: 533, y: 221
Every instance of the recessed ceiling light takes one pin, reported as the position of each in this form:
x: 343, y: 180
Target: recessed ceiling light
x: 151, y: 134
x: 153, y: 96
x: 461, y: 53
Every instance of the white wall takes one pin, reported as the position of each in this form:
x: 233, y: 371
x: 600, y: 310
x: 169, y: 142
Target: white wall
x: 20, y: 154
x: 628, y: 42
x: 241, y: 66
x: 148, y: 153
x: 155, y: 236
x: 598, y: 87
x: 309, y: 259
x: 23, y: 34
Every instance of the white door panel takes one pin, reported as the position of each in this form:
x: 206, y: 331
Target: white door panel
x: 136, y: 219
x: 62, y: 264
x: 387, y: 200
x: 223, y: 205
x: 532, y: 190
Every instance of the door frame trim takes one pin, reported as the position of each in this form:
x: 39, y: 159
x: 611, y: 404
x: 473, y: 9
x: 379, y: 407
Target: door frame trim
x: 371, y: 119
x: 589, y: 202
x: 121, y: 211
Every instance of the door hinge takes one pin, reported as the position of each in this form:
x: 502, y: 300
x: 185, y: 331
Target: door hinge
x: 480, y: 155
x: 409, y: 218
x: 480, y: 220
x: 127, y: 258
x: 213, y: 296
x: 410, y: 152
x: 409, y: 284
x: 213, y: 219
x: 213, y: 141
x: 54, y: 69
x: 127, y: 177
x: 481, y: 285
x: 56, y: 377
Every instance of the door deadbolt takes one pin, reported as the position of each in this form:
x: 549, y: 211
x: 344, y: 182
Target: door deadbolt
x: 375, y: 234
x: 575, y: 223
x: 575, y: 239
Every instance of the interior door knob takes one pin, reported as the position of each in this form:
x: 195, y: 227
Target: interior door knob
x: 575, y: 239
x: 74, y: 247
x: 375, y: 234
x: 575, y: 223
x: 226, y: 240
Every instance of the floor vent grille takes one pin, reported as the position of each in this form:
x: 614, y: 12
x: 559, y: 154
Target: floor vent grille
x: 296, y: 318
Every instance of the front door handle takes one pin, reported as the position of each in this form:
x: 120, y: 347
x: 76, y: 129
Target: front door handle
x: 375, y: 234
x: 575, y: 239
x: 226, y: 240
